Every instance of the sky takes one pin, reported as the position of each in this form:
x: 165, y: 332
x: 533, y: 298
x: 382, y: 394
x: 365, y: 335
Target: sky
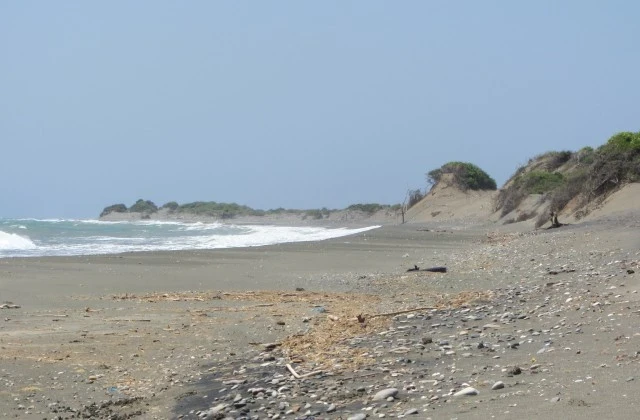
x: 297, y: 104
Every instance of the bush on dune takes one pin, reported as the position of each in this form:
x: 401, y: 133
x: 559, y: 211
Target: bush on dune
x: 115, y: 208
x: 466, y: 176
x: 591, y: 177
x: 143, y: 206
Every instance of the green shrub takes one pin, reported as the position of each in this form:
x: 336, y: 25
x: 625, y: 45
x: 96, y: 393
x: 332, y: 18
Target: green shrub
x: 557, y: 159
x: 221, y: 210
x: 585, y: 156
x: 466, y: 176
x: 538, y: 182
x: 369, y: 208
x: 171, y: 205
x: 114, y: 208
x: 625, y: 140
x: 143, y: 206
x: 596, y: 174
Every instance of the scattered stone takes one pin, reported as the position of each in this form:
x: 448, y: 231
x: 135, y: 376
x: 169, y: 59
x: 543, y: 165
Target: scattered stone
x: 385, y: 393
x: 468, y: 391
x: 498, y: 385
x: 515, y: 370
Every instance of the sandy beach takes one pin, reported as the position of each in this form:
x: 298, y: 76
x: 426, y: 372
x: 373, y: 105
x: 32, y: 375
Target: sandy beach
x: 528, y: 324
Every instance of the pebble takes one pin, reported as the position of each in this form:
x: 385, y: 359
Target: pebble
x: 385, y: 393
x: 358, y: 416
x: 497, y: 385
x: 468, y: 391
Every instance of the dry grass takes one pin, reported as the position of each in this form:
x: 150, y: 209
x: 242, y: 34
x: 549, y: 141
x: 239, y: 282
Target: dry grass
x: 326, y: 346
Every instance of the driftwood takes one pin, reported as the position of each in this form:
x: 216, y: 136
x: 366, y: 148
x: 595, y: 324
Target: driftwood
x: 431, y: 269
x: 554, y: 220
x: 298, y: 376
x: 405, y: 311
x: 436, y: 269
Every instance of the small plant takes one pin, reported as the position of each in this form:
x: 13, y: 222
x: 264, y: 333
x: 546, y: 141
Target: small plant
x: 414, y: 197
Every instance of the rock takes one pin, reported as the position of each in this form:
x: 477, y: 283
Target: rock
x: 212, y: 413
x: 411, y: 411
x: 331, y: 408
x: 385, y: 393
x: 498, y: 385
x: 468, y: 391
x: 358, y: 416
x: 514, y: 371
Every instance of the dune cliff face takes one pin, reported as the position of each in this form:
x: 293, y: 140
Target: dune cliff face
x: 447, y: 203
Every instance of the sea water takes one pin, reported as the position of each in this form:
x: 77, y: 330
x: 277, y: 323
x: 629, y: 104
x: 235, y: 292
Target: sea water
x: 59, y: 237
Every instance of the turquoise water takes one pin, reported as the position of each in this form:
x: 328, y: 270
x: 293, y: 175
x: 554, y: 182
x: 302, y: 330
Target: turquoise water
x: 58, y: 237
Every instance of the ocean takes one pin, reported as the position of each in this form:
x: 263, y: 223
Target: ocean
x: 59, y: 237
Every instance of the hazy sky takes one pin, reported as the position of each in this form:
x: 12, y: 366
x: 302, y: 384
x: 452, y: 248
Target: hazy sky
x: 297, y: 104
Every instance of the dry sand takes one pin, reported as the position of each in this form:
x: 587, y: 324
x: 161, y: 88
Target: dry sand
x: 154, y: 335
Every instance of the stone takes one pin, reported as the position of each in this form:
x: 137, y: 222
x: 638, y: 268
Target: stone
x: 498, y: 385
x: 514, y: 371
x: 213, y: 412
x: 411, y: 411
x: 358, y: 416
x: 468, y: 391
x: 385, y: 393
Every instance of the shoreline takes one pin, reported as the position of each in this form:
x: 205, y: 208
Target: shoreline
x: 158, y: 334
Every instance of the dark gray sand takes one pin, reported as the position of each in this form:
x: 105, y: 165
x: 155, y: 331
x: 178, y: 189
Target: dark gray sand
x: 552, y: 315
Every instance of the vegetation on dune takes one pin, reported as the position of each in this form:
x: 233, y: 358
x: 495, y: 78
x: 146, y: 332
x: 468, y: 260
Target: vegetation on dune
x: 368, y: 208
x: 466, y: 176
x: 221, y: 210
x: 539, y: 182
x: 114, y: 208
x: 580, y: 177
x: 231, y: 210
x: 171, y: 206
x: 143, y: 206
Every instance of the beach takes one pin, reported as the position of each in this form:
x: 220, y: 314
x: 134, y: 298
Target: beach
x: 209, y: 333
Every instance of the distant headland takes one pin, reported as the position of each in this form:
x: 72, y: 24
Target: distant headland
x: 552, y: 185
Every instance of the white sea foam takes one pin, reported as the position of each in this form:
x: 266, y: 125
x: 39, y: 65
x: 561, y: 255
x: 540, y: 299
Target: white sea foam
x: 11, y: 241
x: 58, y: 237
